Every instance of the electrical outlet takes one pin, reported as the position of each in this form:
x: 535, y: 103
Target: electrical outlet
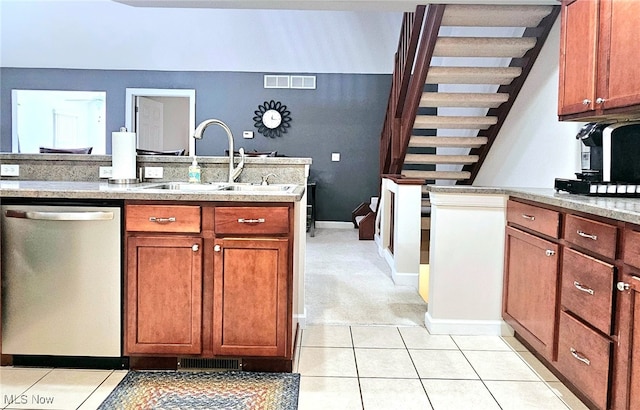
x: 106, y: 172
x: 153, y: 172
x: 10, y: 170
x: 335, y: 156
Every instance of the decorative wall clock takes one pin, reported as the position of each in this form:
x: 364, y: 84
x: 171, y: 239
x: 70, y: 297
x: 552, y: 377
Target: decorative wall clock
x: 272, y: 119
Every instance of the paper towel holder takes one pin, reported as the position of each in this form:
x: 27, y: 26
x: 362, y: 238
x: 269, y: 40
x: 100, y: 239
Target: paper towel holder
x: 125, y: 181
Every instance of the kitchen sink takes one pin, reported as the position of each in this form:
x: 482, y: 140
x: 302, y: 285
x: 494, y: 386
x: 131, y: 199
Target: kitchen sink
x: 219, y: 187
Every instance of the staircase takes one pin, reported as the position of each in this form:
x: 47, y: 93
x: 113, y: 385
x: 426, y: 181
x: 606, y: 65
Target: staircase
x: 469, y: 63
x: 458, y: 71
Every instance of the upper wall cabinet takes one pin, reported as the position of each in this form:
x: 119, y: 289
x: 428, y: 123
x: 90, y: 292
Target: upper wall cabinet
x: 599, y: 70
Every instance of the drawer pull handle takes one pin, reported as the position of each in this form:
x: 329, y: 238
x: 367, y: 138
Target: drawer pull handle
x: 586, y: 235
x: 549, y: 252
x: 578, y: 356
x: 529, y: 217
x: 162, y: 220
x: 582, y: 288
x: 250, y: 221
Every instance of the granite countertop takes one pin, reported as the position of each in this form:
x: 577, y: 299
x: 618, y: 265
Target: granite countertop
x: 104, y: 190
x: 622, y: 209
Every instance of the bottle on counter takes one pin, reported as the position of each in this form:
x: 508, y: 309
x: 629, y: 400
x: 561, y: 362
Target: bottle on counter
x: 194, y: 172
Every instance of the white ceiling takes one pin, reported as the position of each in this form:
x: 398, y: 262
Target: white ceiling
x: 346, y: 5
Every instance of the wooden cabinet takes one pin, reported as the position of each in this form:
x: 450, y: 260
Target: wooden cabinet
x: 164, y: 295
x: 599, y: 74
x: 531, y: 274
x: 163, y: 279
x: 210, y: 280
x: 252, y: 302
x: 626, y: 383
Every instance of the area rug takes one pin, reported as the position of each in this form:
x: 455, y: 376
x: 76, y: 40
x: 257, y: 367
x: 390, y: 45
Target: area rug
x: 205, y: 390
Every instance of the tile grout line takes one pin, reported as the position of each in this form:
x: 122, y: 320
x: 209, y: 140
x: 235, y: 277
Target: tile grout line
x: 415, y: 368
x: 355, y: 361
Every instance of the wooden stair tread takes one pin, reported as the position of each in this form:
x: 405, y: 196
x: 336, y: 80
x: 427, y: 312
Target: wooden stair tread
x: 509, y: 47
x: 472, y: 75
x: 433, y: 175
x: 433, y: 142
x: 454, y: 122
x: 440, y: 159
x: 494, y: 15
x: 480, y: 100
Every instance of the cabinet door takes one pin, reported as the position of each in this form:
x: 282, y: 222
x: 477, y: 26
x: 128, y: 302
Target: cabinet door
x: 634, y: 382
x: 251, y: 297
x: 531, y: 282
x: 164, y: 295
x: 621, y: 46
x: 578, y: 56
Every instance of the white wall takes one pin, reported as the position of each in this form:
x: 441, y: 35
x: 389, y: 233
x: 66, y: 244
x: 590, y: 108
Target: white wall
x: 533, y: 147
x: 102, y: 34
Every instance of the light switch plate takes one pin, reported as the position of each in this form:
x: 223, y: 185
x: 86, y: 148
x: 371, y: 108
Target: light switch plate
x: 335, y: 156
x: 106, y: 172
x: 247, y: 134
x: 10, y: 170
x: 153, y: 172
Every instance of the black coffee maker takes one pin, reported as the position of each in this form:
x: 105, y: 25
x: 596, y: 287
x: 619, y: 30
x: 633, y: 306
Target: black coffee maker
x: 591, y: 155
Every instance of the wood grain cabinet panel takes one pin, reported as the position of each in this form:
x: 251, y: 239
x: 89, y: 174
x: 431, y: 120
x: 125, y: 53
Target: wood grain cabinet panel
x: 538, y: 219
x: 251, y: 220
x: 597, y: 237
x: 530, y: 289
x: 163, y: 218
x: 251, y: 297
x: 631, y: 248
x: 164, y: 295
x: 583, y: 357
x: 587, y: 288
x: 599, y: 74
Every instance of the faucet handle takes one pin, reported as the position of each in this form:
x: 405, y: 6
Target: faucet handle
x: 265, y: 178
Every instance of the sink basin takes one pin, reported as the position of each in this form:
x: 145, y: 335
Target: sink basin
x: 185, y: 186
x: 246, y: 188
x: 260, y: 188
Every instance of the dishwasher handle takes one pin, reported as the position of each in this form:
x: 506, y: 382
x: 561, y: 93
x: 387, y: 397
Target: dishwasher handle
x: 61, y: 216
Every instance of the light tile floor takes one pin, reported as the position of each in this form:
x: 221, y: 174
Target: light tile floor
x: 366, y: 349
x: 404, y: 367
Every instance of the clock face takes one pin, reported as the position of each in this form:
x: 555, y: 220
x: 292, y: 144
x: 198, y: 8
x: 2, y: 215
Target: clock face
x: 271, y: 119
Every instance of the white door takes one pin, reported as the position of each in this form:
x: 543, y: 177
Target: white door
x: 149, y: 124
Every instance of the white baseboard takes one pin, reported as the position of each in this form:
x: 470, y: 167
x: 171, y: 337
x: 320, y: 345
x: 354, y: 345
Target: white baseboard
x: 405, y: 279
x: 467, y: 327
x: 334, y: 225
x: 301, y: 318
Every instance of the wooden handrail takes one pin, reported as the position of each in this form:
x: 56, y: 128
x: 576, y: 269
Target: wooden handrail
x: 416, y: 85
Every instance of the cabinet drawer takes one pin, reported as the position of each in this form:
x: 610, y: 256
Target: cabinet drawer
x: 532, y: 217
x: 587, y: 288
x: 583, y: 358
x: 251, y: 220
x: 595, y: 236
x: 631, y: 250
x: 162, y: 218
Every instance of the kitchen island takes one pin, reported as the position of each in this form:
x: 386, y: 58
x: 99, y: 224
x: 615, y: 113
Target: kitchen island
x: 210, y: 276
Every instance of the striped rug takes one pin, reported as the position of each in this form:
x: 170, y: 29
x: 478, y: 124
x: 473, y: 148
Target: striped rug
x: 205, y: 390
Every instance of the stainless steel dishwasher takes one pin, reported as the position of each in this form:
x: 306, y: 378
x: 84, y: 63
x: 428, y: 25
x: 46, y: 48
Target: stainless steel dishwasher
x: 61, y: 281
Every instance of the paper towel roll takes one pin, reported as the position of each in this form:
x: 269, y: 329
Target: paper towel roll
x: 123, y: 155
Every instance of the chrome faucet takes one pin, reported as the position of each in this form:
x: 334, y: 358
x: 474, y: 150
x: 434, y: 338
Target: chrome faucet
x: 234, y: 173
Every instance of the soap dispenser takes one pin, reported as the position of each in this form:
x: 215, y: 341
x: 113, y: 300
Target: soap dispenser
x: 194, y: 172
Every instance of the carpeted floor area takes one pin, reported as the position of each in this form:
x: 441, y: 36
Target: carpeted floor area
x: 348, y: 282
x: 204, y: 390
